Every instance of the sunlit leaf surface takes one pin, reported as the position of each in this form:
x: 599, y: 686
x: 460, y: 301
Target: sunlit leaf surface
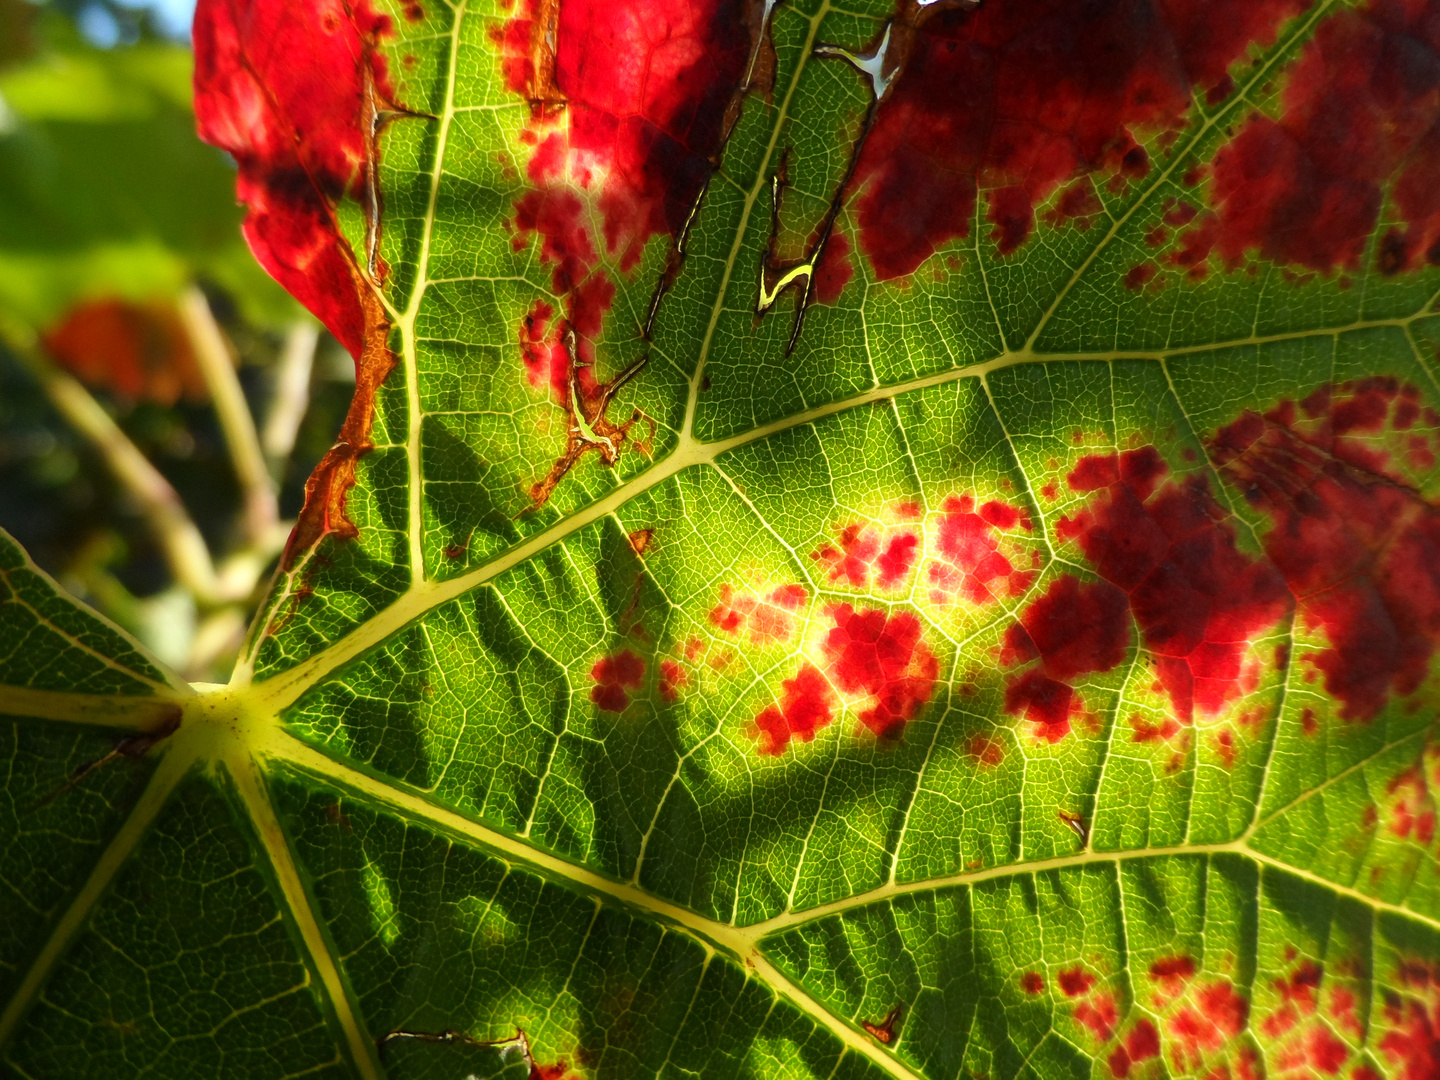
x: 869, y: 543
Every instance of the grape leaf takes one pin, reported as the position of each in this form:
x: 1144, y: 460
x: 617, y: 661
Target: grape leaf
x: 869, y: 542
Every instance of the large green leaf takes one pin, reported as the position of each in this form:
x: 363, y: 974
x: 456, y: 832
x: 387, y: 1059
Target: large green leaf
x: 1022, y: 665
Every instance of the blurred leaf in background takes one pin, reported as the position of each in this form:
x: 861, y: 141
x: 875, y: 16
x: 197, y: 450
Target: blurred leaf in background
x: 111, y: 212
x: 106, y: 189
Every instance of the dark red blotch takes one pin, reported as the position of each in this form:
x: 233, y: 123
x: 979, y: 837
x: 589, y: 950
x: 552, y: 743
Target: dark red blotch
x: 1073, y: 629
x: 1141, y: 1044
x: 1167, y: 559
x: 1360, y: 119
x: 1197, y: 599
x: 614, y: 676
x: 1357, y: 545
x: 1022, y: 96
x: 875, y: 653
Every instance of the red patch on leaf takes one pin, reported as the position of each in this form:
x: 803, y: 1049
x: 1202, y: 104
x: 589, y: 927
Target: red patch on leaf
x: 1197, y: 599
x: 1032, y: 983
x: 1146, y: 732
x: 1412, y: 1043
x: 1075, y: 981
x: 894, y: 564
x: 1142, y: 1044
x: 1297, y: 999
x: 807, y: 704
x: 1410, y: 806
x: 613, y: 676
x: 850, y: 562
x: 1072, y: 630
x: 863, y: 550
x: 1217, y: 1015
x: 988, y: 751
x: 673, y: 679
x: 835, y: 269
x: 882, y: 656
x: 1360, y: 118
x: 646, y: 88
x: 1172, y: 969
x: 1357, y: 545
x: 1028, y: 95
x: 1100, y: 1015
x: 769, y: 620
x: 292, y: 92
x: 969, y: 563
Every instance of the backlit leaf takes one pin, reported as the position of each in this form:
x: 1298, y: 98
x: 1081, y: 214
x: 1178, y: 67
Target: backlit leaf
x: 869, y: 542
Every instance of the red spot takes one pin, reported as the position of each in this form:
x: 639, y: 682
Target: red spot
x: 1025, y: 96
x: 1146, y: 732
x: 1181, y: 213
x: 1077, y: 203
x: 1413, y: 1042
x: 1358, y: 547
x: 1198, y: 600
x: 1050, y: 491
x: 1225, y: 746
x: 896, y: 561
x: 1139, y: 275
x: 1142, y: 1044
x: 1218, y: 1015
x: 614, y: 675
x: 1327, y: 1053
x: 672, y: 680
x: 806, y: 706
x: 859, y: 545
x: 908, y: 510
x: 988, y: 751
x: 646, y: 89
x: 1099, y: 1015
x: 834, y: 271
x: 559, y: 1071
x: 1342, y: 1008
x: 1411, y: 807
x: 1032, y: 982
x: 1172, y: 968
x: 546, y: 360
x: 882, y: 656
x: 1358, y: 120
x: 769, y: 620
x: 969, y: 561
x: 1072, y: 630
x: 640, y: 541
x: 1075, y: 981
